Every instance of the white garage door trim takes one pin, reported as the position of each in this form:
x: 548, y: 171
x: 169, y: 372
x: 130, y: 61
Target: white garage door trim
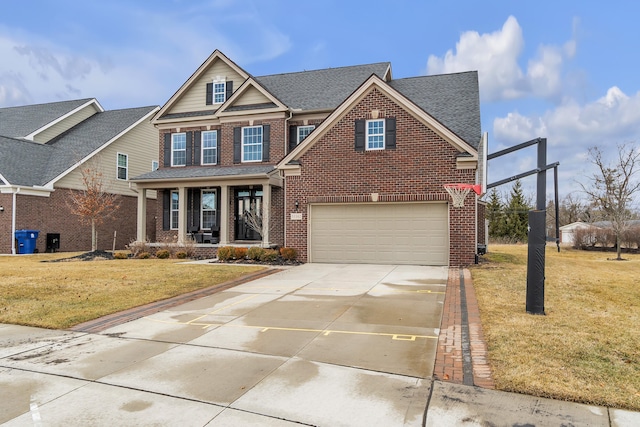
x: 379, y: 233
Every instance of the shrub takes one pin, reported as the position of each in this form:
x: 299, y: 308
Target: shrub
x: 269, y: 255
x: 137, y: 248
x: 163, y: 254
x: 120, y: 255
x: 255, y: 253
x: 288, y: 254
x: 240, y: 253
x: 181, y: 255
x: 143, y: 255
x: 226, y: 253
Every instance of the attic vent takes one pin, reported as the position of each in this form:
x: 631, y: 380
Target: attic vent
x: 375, y: 114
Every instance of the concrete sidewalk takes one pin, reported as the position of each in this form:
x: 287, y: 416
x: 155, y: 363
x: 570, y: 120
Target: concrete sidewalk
x: 325, y: 345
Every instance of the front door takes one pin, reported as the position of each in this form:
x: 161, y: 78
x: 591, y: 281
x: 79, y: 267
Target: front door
x: 248, y: 214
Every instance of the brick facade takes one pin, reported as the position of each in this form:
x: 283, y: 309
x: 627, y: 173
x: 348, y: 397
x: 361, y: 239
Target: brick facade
x: 415, y: 170
x: 53, y: 215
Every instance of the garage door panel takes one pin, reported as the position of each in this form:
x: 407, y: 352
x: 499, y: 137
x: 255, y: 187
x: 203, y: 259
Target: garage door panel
x: 400, y: 233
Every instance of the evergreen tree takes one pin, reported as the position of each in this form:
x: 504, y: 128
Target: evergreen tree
x: 495, y: 215
x: 517, y: 214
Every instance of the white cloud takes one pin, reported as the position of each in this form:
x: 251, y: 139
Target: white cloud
x: 495, y: 56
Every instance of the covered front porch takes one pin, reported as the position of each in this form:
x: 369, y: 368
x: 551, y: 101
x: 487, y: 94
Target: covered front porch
x: 215, y: 210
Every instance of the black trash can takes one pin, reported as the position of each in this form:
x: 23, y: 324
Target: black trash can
x: 53, y: 242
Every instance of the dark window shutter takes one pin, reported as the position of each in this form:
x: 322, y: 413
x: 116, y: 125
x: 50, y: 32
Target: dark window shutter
x: 266, y: 142
x: 196, y: 147
x: 196, y: 208
x: 237, y: 140
x: 293, y: 137
x: 189, y: 137
x: 166, y: 209
x: 360, y: 135
x: 209, y: 93
x: 390, y: 133
x: 228, y: 87
x: 167, y: 149
x: 218, y: 144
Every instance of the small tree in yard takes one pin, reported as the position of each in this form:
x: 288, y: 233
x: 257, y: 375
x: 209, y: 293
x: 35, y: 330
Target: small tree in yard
x: 612, y: 187
x: 93, y: 204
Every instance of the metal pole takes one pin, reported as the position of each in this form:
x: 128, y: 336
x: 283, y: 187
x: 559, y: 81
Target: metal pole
x: 537, y: 238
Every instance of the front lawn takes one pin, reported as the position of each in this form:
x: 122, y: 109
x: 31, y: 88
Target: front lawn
x: 586, y: 348
x: 63, y: 294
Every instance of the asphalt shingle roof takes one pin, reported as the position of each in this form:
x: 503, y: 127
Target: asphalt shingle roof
x: 29, y: 163
x: 18, y: 122
x: 204, y: 172
x: 452, y: 99
x: 320, y: 89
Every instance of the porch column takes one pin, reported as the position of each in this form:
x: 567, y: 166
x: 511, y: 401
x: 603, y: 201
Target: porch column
x: 141, y: 235
x: 266, y: 213
x: 182, y: 214
x: 224, y: 214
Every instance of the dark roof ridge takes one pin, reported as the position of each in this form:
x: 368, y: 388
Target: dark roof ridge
x: 325, y: 69
x: 48, y: 103
x: 436, y: 75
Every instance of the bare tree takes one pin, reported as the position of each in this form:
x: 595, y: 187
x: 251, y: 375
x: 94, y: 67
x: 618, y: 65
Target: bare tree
x: 93, y: 204
x: 253, y: 220
x: 612, y: 187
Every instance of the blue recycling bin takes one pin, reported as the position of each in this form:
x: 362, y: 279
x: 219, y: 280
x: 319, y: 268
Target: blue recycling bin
x: 27, y: 241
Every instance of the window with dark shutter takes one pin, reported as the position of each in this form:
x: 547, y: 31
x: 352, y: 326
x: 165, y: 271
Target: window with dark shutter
x: 360, y: 135
x: 293, y: 137
x: 167, y: 149
x: 209, y: 100
x: 237, y: 144
x: 189, y: 149
x: 166, y: 210
x: 196, y: 147
x: 229, y: 89
x: 266, y: 142
x: 390, y: 133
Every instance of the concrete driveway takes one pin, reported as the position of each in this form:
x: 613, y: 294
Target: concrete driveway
x: 318, y: 344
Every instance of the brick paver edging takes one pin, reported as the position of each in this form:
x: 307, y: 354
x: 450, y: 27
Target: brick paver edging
x: 460, y: 341
x: 111, y: 320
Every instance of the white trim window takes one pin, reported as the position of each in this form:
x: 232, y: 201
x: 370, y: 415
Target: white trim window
x: 175, y: 207
x: 154, y: 165
x: 123, y: 167
x: 304, y: 131
x: 209, y: 147
x: 219, y: 90
x: 252, y: 144
x: 208, y: 209
x: 178, y: 149
x: 375, y: 134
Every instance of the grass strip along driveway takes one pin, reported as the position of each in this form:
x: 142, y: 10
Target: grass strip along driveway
x: 586, y: 348
x: 60, y: 295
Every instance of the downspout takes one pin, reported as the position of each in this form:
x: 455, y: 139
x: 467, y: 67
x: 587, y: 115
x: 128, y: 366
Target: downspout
x: 13, y: 221
x: 284, y: 181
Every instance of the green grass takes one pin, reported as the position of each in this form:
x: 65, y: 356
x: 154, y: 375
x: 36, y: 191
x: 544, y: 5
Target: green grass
x: 586, y: 348
x: 60, y: 295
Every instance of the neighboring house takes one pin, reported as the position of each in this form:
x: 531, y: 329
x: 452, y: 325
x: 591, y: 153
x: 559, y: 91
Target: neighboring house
x: 42, y: 151
x: 343, y: 164
x: 567, y: 232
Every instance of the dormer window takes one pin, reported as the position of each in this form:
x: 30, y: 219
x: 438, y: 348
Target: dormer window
x: 218, y: 91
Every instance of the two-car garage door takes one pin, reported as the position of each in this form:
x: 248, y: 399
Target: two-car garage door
x: 380, y: 233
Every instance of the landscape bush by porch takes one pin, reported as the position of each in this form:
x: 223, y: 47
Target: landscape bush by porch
x: 254, y: 253
x: 240, y: 253
x: 288, y: 254
x: 226, y: 253
x: 144, y: 255
x: 269, y: 255
x: 163, y: 254
x: 121, y: 255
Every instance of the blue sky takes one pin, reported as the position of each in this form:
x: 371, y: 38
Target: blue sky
x: 564, y: 70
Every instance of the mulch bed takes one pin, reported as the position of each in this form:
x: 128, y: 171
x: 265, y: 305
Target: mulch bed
x: 87, y: 256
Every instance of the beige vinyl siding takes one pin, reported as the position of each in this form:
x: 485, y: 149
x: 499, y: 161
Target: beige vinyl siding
x: 251, y: 97
x: 194, y: 99
x: 140, y: 145
x: 380, y: 233
x: 65, y: 124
